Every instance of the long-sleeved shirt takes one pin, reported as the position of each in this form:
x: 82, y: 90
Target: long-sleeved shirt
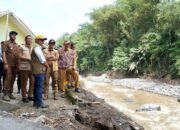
x: 39, y: 53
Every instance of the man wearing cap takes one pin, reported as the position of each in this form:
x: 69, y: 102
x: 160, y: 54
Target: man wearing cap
x: 11, y: 60
x: 52, y: 57
x: 25, y: 69
x: 39, y: 68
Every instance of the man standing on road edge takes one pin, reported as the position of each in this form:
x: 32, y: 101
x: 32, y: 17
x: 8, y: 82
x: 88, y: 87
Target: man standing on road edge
x: 39, y: 68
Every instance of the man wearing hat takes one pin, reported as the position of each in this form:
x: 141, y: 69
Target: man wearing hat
x: 52, y: 57
x: 39, y: 68
x: 10, y: 61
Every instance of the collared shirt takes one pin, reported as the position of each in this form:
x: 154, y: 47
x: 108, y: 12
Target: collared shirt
x: 1, y: 59
x: 66, y: 58
x: 11, y: 50
x: 39, y: 53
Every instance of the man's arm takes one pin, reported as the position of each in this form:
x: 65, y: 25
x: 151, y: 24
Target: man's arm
x: 55, y: 57
x: 41, y: 57
x: 4, y: 50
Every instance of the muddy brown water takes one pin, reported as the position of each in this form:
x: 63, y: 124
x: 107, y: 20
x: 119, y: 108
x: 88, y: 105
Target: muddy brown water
x: 128, y: 100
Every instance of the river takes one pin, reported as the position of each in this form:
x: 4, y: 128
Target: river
x: 128, y: 100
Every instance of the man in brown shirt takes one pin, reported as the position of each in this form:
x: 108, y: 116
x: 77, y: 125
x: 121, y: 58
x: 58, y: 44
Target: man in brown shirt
x: 52, y: 57
x: 11, y: 60
x: 25, y: 69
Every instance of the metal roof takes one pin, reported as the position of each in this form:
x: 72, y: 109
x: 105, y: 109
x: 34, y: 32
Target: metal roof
x: 17, y: 21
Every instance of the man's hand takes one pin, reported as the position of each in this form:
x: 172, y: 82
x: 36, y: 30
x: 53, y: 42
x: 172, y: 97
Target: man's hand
x: 46, y: 65
x: 73, y: 68
x: 5, y: 66
x: 50, y: 58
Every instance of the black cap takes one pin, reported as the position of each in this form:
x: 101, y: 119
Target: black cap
x: 52, y: 41
x: 13, y: 32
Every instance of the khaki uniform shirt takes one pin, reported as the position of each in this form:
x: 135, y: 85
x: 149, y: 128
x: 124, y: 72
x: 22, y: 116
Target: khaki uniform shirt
x: 11, y: 50
x: 54, y: 53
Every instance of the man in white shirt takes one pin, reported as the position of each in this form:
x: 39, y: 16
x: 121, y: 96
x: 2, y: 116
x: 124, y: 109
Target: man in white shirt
x: 39, y: 68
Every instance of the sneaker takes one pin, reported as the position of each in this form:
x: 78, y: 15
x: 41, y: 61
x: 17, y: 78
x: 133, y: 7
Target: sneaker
x: 77, y: 90
x: 25, y: 99
x: 6, y: 98
x: 45, y: 98
x: 62, y: 95
x: 41, y: 106
x: 30, y: 98
x: 44, y: 106
x: 11, y: 96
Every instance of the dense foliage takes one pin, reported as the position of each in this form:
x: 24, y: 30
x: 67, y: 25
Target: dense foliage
x: 133, y: 36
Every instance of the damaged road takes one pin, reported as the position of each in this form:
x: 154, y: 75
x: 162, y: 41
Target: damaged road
x: 81, y: 111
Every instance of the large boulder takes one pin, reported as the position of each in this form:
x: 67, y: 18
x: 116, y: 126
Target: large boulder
x: 149, y: 107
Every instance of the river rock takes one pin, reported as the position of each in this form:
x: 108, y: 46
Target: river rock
x: 149, y: 107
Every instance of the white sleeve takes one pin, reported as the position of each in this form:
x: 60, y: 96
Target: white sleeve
x: 39, y: 54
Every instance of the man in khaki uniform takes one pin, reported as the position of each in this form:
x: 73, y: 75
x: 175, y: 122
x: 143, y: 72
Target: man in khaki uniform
x: 11, y: 61
x: 25, y: 69
x: 52, y: 57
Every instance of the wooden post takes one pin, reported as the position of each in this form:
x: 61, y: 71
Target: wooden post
x: 7, y: 25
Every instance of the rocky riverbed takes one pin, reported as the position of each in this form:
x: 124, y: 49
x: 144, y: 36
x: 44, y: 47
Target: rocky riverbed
x: 149, y: 85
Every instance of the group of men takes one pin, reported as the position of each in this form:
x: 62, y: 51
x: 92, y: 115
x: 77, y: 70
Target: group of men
x: 37, y: 64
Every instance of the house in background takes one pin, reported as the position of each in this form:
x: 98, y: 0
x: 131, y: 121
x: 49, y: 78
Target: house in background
x: 10, y: 22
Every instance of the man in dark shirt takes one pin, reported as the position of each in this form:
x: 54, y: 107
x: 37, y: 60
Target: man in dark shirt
x: 10, y: 59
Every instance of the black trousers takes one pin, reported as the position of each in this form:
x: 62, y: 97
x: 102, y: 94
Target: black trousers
x: 1, y: 76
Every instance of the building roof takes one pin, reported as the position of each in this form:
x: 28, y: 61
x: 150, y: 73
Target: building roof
x: 17, y: 21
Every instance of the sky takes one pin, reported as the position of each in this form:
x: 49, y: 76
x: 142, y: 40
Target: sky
x: 52, y: 18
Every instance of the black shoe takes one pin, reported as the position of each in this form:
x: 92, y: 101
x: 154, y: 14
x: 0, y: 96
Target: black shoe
x: 178, y: 99
x: 77, y: 90
x: 31, y: 98
x: 24, y: 99
x: 19, y: 92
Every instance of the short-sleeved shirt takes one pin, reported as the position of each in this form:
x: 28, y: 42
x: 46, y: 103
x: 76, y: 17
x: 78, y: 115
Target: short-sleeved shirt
x: 11, y: 50
x: 66, y: 58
